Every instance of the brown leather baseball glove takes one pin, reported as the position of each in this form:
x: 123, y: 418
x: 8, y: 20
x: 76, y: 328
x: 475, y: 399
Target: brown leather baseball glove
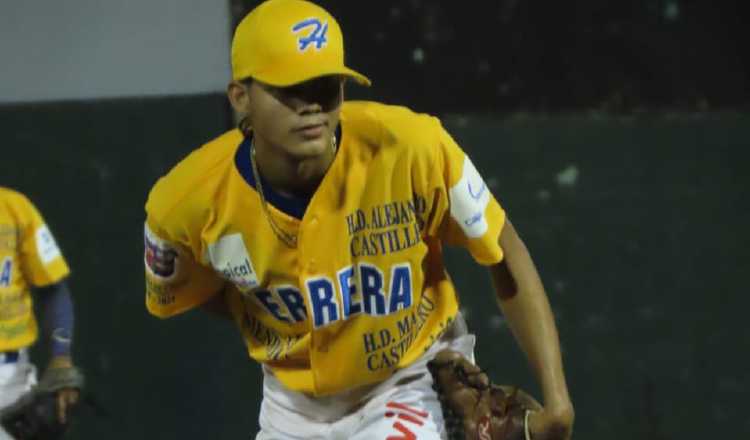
x: 34, y: 416
x: 473, y: 407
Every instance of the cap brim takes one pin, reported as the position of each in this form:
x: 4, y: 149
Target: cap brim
x: 288, y: 77
x: 356, y: 76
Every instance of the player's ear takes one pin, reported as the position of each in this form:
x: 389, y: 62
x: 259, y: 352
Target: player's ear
x: 239, y: 96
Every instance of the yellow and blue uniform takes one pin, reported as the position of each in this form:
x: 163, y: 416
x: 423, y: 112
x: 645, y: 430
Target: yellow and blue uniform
x: 29, y: 257
x: 365, y: 291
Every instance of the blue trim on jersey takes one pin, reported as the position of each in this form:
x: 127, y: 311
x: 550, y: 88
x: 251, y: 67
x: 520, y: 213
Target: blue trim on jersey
x: 290, y: 205
x: 9, y: 357
x: 293, y: 206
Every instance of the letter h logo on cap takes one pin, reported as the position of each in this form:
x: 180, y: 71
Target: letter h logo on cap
x: 317, y: 36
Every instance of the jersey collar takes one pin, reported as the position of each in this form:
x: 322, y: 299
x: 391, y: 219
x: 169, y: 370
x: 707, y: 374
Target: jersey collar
x: 290, y: 205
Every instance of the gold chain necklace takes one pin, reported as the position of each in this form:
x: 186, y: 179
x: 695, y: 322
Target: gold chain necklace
x: 289, y: 239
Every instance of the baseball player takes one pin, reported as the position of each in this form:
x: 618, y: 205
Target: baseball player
x: 30, y: 260
x: 319, y: 224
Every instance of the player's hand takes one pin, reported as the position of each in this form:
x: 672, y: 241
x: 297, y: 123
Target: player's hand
x: 552, y: 423
x: 66, y: 397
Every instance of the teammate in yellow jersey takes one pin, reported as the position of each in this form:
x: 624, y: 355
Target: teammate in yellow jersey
x: 30, y: 260
x: 319, y: 225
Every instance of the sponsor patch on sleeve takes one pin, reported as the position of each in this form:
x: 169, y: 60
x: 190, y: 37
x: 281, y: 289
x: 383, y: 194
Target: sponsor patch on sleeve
x: 46, y: 247
x: 469, y: 198
x: 160, y: 257
x: 230, y: 258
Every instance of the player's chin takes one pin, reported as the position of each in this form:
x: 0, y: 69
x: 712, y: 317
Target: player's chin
x: 304, y: 148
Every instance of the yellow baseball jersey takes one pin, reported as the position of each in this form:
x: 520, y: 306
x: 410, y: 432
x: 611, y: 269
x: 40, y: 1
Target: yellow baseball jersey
x: 29, y: 257
x: 365, y: 291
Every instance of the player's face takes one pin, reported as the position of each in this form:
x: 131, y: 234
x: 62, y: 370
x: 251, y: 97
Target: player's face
x: 300, y: 120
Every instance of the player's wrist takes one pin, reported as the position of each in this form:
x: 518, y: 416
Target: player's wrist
x: 61, y: 361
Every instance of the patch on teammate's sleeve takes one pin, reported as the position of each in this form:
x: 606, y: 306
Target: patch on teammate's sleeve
x: 46, y: 246
x: 160, y: 257
x: 468, y: 200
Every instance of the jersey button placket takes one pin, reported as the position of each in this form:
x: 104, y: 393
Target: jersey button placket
x: 307, y: 249
x: 309, y: 228
x: 308, y: 264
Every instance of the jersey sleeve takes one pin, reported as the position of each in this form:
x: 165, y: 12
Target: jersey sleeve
x: 176, y: 281
x: 464, y: 211
x: 41, y: 260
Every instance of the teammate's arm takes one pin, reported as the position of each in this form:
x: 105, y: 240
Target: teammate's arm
x: 57, y: 324
x: 45, y: 271
x: 524, y: 303
x: 57, y: 317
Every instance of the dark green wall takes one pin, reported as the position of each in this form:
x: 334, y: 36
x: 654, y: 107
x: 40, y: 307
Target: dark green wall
x: 89, y: 166
x: 643, y: 255
x: 645, y: 259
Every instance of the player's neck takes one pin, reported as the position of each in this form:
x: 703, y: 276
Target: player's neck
x: 291, y: 176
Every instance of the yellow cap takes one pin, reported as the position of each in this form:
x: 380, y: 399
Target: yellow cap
x: 285, y: 42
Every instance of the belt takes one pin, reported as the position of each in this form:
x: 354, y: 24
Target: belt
x: 9, y: 357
